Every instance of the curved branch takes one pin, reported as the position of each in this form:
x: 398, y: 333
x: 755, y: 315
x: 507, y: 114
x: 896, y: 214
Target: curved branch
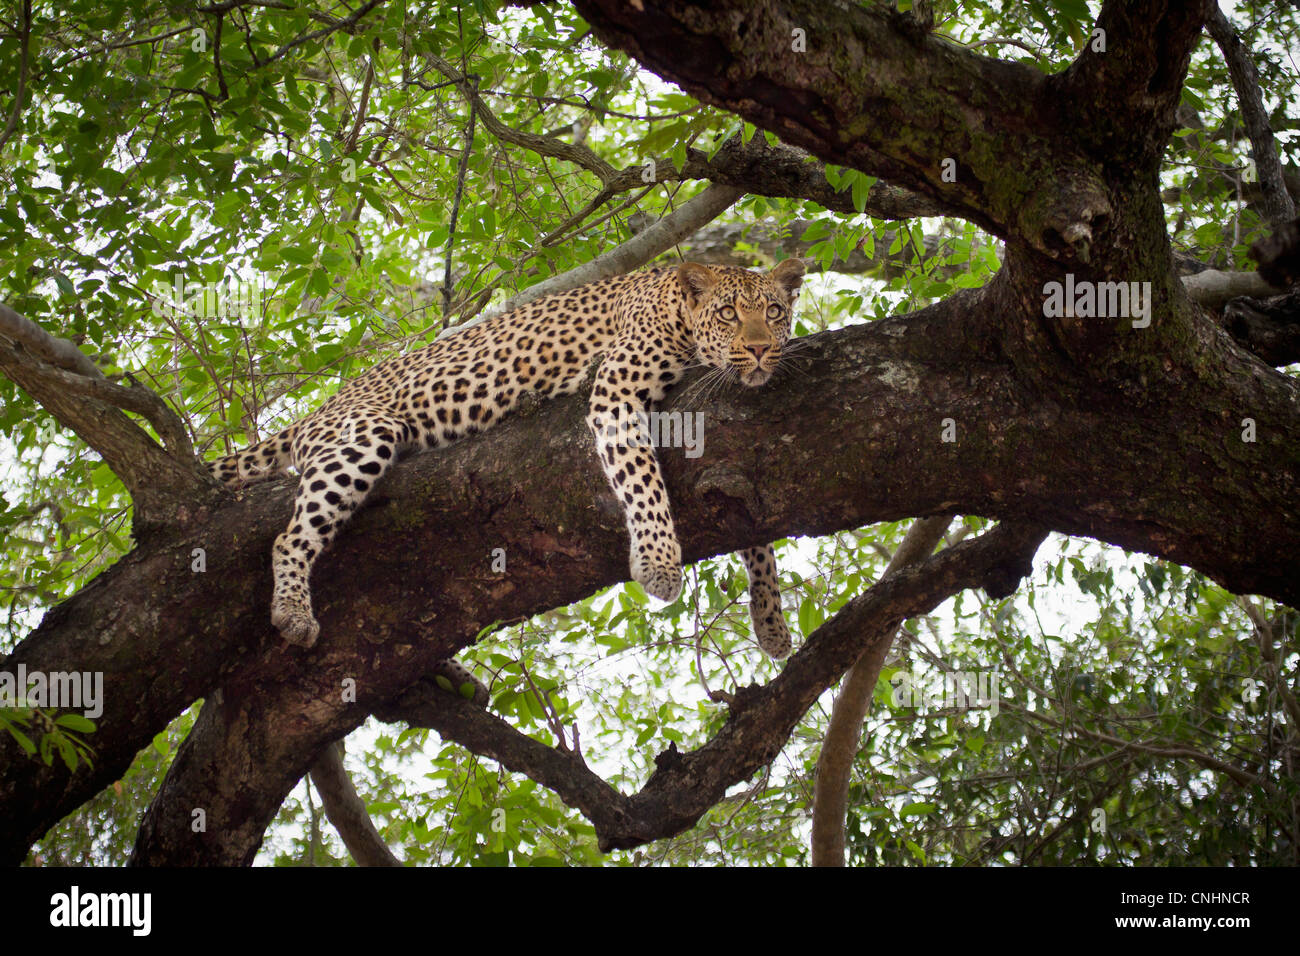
x: 69, y: 386
x: 844, y: 732
x: 1278, y: 207
x: 347, y: 811
x: 761, y: 719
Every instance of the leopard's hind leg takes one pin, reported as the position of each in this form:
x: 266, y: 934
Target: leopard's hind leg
x: 340, y: 457
x: 265, y: 460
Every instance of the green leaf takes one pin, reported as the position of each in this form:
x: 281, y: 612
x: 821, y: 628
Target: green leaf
x: 811, y: 616
x: 23, y: 740
x: 76, y: 722
x: 861, y: 191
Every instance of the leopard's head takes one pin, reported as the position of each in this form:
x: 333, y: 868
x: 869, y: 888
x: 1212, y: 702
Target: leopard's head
x: 741, y: 319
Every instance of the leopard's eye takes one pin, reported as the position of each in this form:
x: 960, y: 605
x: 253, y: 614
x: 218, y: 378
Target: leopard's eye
x: 728, y: 313
x: 775, y: 311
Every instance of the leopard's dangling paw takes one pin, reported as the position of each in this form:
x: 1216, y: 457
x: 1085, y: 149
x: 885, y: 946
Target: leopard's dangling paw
x: 296, y: 625
x: 658, y: 577
x: 772, y: 634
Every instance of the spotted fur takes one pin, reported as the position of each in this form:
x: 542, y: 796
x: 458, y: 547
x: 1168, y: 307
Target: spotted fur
x: 651, y: 326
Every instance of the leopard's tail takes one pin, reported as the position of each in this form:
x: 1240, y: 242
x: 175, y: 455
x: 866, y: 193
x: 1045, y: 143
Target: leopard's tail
x: 267, y: 459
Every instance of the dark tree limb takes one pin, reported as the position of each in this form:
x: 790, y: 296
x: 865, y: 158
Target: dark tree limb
x: 1278, y: 207
x: 1270, y: 328
x: 875, y: 396
x: 685, y: 786
x: 69, y: 386
x: 1015, y: 173
x: 1034, y: 156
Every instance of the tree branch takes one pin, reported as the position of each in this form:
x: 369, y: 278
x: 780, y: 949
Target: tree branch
x: 638, y: 250
x: 390, y: 612
x: 347, y: 811
x: 1278, y: 207
x: 25, y: 41
x: 1010, y: 173
x: 1213, y: 288
x: 684, y: 786
x: 63, y: 380
x: 1270, y: 328
x: 844, y: 732
x: 756, y: 167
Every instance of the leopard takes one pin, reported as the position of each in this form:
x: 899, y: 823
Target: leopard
x: 645, y: 330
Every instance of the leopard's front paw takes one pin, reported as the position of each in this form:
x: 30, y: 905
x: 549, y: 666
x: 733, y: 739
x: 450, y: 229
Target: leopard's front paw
x: 657, y: 576
x: 296, y: 625
x: 773, y: 636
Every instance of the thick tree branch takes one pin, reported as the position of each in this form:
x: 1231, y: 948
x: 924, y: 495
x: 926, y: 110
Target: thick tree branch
x: 1213, y: 288
x: 1125, y: 96
x: 1028, y: 157
x: 981, y: 148
x: 871, y: 406
x: 69, y: 386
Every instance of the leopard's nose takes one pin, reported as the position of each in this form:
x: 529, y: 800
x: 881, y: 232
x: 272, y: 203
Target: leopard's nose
x: 758, y: 351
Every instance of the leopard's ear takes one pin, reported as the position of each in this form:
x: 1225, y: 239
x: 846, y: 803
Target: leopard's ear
x: 696, y: 281
x: 789, y: 276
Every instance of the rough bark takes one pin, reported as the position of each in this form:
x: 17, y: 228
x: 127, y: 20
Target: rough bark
x: 1270, y: 328
x: 72, y: 389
